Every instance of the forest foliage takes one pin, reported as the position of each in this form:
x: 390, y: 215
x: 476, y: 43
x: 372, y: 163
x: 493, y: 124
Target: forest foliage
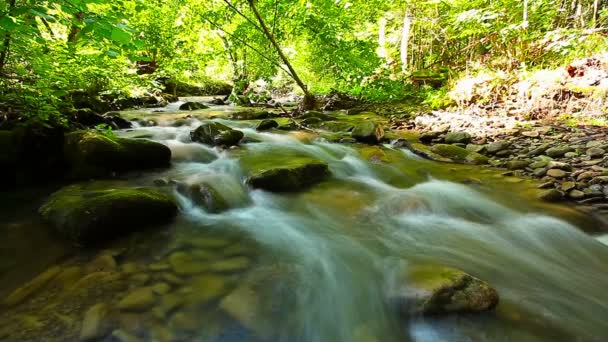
x: 376, y: 49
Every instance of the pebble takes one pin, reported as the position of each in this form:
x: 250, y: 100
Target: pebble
x: 556, y: 173
x: 567, y: 186
x: 595, y: 152
x: 96, y: 323
x: 138, y: 300
x: 576, y: 194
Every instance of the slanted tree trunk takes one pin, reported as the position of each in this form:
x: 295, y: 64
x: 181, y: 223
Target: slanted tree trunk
x: 6, y: 44
x: 309, y: 100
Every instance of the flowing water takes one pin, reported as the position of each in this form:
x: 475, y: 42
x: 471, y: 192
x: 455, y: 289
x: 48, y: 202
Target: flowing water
x: 324, y: 264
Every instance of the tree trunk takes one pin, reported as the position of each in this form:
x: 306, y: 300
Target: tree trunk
x: 382, y: 38
x: 405, y: 40
x: 309, y: 100
x: 6, y: 44
x: 595, y: 12
x: 75, y: 29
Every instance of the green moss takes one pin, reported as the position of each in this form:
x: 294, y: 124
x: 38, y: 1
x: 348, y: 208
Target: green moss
x: 88, y: 215
x: 92, y: 155
x: 283, y: 171
x: 459, y: 154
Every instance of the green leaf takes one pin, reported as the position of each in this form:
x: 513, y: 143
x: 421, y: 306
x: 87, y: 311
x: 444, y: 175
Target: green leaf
x: 8, y: 23
x: 120, y: 36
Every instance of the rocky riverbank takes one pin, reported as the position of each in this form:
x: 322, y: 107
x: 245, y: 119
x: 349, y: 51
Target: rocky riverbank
x: 570, y: 162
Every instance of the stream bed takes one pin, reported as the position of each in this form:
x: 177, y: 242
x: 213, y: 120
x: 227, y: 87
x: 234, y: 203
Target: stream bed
x: 316, y: 265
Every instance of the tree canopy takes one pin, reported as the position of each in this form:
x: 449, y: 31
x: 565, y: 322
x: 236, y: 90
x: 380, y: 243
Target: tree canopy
x: 375, y: 49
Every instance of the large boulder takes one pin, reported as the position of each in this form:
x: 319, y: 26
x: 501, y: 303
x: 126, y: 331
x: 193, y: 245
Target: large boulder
x: 293, y: 175
x: 92, y: 214
x: 91, y: 154
x: 431, y: 289
x: 368, y: 132
x: 459, y: 154
x: 214, y: 133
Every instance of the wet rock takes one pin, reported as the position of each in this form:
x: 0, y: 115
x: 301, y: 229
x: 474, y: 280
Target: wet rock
x: 116, y: 121
x: 123, y: 336
x: 551, y: 195
x: 250, y: 115
x: 244, y: 305
x: 88, y: 216
x: 168, y: 304
x: 556, y: 173
x: 585, y: 175
x: 558, y: 151
x: 231, y: 264
x: 159, y: 266
x: 97, y: 323
x: 103, y: 262
x: 205, y: 195
x: 517, y: 164
x: 497, y: 146
x: 442, y: 290
x: 567, y: 186
x: 576, y: 194
x: 192, y: 106
x: 292, y: 126
x: 540, y: 172
x: 185, y: 321
x: 267, y: 124
x: 459, y: 154
x: 185, y: 264
x: 428, y: 137
x: 138, y: 300
x: 204, y: 288
x: 161, y: 288
x: 24, y: 292
x: 93, y: 155
x: 559, y: 165
x: 476, y: 148
x: 539, y: 150
x: 595, y: 152
x: 595, y: 143
x: 216, y: 134
x: 297, y: 174
x: 530, y: 134
x: 571, y: 155
x: 539, y: 164
x: 317, y: 115
x: 368, y: 132
x: 457, y: 138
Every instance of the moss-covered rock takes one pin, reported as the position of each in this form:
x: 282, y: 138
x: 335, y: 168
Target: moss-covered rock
x: 317, y: 115
x: 368, y: 132
x: 214, y: 133
x: 459, y: 154
x: 89, y: 215
x: 91, y: 154
x: 216, y: 194
x: 250, y: 115
x: 192, y: 106
x: 267, y: 124
x: 293, y: 175
x: 440, y: 290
